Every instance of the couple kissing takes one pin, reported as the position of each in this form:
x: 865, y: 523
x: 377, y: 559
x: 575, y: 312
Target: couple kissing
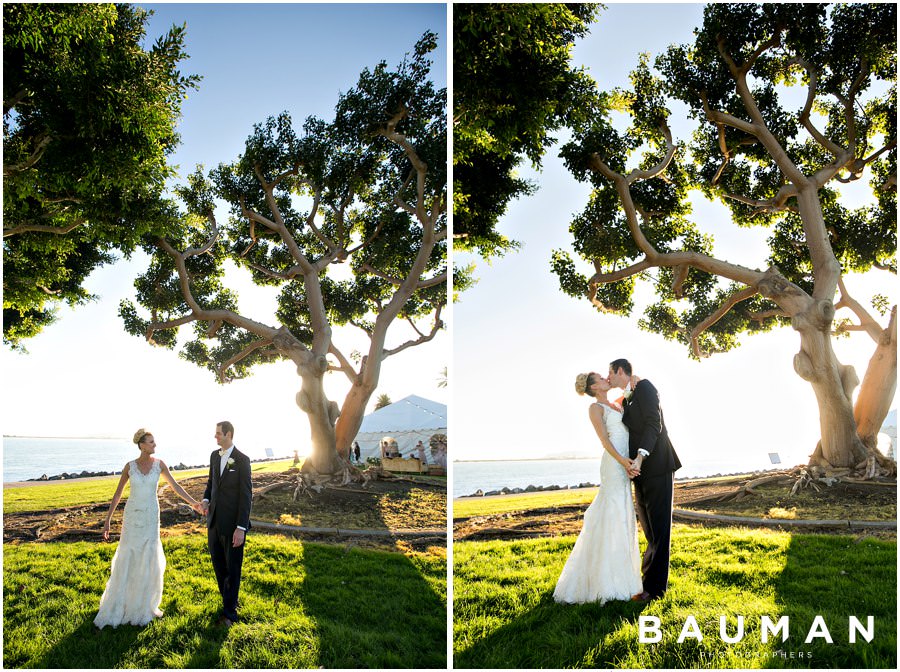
x: 605, y: 563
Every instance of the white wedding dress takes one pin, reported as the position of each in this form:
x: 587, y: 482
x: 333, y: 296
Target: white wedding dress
x: 134, y: 589
x: 605, y: 563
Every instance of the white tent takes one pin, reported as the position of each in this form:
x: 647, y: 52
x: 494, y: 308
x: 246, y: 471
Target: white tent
x: 408, y: 421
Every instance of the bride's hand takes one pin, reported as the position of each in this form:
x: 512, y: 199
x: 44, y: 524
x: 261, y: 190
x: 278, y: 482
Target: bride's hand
x: 106, y: 531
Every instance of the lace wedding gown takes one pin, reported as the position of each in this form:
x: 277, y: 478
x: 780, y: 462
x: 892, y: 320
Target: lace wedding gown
x: 605, y: 562
x: 135, y: 585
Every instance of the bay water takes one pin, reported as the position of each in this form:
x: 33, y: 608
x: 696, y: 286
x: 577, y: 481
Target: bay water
x: 32, y: 457
x: 469, y: 477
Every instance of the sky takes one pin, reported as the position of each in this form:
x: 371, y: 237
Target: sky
x: 515, y: 342
x: 519, y: 342
x: 84, y: 376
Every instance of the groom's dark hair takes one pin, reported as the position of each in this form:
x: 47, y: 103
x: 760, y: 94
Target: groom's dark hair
x: 227, y: 428
x: 623, y: 364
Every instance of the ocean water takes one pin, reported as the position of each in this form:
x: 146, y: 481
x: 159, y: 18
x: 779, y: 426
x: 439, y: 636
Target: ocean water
x: 27, y: 457
x: 469, y: 477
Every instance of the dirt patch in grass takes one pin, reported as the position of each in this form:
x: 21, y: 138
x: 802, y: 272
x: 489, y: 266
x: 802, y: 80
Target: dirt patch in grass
x: 841, y: 501
x: 383, y: 505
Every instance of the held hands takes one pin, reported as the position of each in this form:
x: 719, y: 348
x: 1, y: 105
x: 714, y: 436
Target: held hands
x: 198, y: 507
x: 635, y: 468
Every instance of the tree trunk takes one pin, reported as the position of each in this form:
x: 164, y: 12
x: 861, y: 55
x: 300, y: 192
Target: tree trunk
x: 833, y: 384
x: 311, y: 399
x: 322, y: 415
x: 351, y: 418
x: 878, y: 386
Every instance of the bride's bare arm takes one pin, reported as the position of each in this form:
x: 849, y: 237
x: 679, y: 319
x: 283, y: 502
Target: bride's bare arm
x: 115, y: 501
x: 176, y: 486
x: 596, y: 414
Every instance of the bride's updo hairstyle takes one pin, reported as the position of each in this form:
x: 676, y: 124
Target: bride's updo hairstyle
x: 140, y: 434
x: 583, y: 382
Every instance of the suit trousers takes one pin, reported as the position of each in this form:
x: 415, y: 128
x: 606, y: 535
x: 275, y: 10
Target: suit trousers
x: 227, y: 562
x: 654, y: 496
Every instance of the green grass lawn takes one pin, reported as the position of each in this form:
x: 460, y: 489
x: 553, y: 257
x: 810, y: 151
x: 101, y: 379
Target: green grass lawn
x: 77, y: 492
x: 504, y: 614
x: 302, y: 605
x: 483, y: 506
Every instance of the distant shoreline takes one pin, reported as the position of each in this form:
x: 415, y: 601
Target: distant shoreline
x: 534, y: 459
x: 86, y: 475
x: 530, y: 489
x: 67, y: 438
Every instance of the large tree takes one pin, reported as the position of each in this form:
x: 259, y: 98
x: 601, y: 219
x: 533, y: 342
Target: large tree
x: 775, y: 164
x: 514, y: 85
x: 88, y: 122
x: 347, y: 220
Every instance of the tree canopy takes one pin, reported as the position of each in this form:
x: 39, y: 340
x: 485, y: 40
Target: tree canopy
x: 775, y: 163
x: 89, y: 119
x: 345, y: 219
x: 514, y: 86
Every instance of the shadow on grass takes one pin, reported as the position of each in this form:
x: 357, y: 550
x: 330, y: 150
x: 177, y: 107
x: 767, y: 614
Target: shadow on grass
x: 106, y: 648
x: 137, y: 646
x: 837, y: 577
x: 373, y: 609
x: 302, y: 605
x: 556, y: 635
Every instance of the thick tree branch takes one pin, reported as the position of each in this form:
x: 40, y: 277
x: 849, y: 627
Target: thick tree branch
x: 283, y: 233
x: 767, y: 314
x: 729, y: 303
x: 638, y: 175
x: 275, y: 275
x: 423, y: 338
x: 758, y: 125
x: 155, y: 326
x: 197, y: 311
x: 834, y: 149
x: 43, y: 228
x: 368, y: 241
x: 17, y: 98
x: 421, y: 284
x: 246, y: 352
x: 398, y: 198
x: 345, y: 365
x: 867, y: 323
x: 420, y: 166
x: 36, y: 155
x: 725, y: 119
x: 777, y: 203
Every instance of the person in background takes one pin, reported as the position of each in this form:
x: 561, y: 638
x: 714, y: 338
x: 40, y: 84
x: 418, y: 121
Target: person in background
x: 420, y: 452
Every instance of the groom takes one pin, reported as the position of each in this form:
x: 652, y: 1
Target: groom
x: 654, y: 463
x: 226, y: 504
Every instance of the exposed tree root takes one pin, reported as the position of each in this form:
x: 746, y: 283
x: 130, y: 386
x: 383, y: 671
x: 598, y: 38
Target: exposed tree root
x: 310, y: 483
x: 872, y: 472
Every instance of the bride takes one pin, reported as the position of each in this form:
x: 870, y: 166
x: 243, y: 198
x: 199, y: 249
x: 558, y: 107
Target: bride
x: 605, y: 562
x: 134, y: 590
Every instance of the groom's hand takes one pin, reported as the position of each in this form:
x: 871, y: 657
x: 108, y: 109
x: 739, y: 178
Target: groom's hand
x: 635, y: 469
x: 238, y: 538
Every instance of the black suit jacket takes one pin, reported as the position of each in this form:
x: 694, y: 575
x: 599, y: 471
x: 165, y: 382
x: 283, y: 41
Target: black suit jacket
x: 647, y: 429
x: 230, y: 495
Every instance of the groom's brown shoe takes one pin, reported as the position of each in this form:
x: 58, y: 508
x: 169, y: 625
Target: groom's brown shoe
x: 641, y: 597
x: 224, y: 621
